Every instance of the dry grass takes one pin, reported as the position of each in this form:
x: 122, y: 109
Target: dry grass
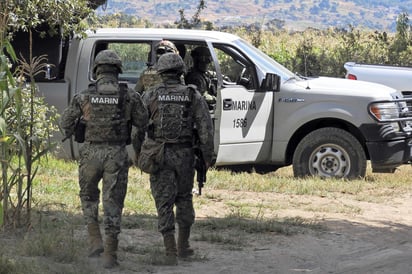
x: 232, y: 205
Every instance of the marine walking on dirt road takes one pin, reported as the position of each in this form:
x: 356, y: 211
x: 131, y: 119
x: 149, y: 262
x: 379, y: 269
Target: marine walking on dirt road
x: 102, y: 117
x: 175, y: 111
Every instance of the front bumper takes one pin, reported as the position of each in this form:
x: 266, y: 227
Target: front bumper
x: 386, y: 147
x: 386, y: 156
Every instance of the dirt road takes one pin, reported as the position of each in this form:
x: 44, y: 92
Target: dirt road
x: 364, y: 238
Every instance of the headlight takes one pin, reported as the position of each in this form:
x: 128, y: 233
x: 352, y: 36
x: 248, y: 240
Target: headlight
x: 384, y: 112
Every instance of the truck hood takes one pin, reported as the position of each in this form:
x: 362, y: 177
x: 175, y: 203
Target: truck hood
x: 341, y: 86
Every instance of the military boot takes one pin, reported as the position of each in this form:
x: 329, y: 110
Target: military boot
x: 109, y: 255
x: 95, y: 240
x: 170, y: 247
x: 183, y: 247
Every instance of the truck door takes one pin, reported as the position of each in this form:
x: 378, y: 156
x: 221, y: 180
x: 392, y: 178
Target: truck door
x: 243, y: 115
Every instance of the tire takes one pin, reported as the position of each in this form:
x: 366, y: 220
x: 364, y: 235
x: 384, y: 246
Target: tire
x: 329, y: 153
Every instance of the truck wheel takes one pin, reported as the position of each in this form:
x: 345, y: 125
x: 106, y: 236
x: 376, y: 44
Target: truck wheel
x: 329, y: 152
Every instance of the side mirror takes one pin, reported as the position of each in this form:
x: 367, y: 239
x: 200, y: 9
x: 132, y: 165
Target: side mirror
x: 271, y: 83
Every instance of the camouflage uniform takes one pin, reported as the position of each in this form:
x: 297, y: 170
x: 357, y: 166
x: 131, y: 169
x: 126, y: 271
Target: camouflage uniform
x: 200, y: 77
x: 150, y: 77
x: 109, y: 110
x: 174, y: 111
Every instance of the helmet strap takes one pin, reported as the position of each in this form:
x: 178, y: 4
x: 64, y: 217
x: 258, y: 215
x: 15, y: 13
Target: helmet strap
x: 107, y: 69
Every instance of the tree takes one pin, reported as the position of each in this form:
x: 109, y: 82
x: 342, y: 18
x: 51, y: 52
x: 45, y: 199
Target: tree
x: 195, y: 22
x: 26, y: 122
x: 402, y: 39
x: 62, y: 17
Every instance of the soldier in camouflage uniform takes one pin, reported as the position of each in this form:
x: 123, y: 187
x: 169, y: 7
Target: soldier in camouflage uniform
x: 175, y: 110
x: 200, y: 76
x: 108, y: 110
x: 150, y: 77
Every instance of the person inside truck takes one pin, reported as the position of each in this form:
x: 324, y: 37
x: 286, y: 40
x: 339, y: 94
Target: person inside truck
x: 200, y: 75
x: 150, y: 77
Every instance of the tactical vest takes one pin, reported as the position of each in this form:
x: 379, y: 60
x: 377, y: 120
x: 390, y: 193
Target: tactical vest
x: 173, y: 119
x: 108, y: 121
x: 200, y: 80
x: 150, y: 78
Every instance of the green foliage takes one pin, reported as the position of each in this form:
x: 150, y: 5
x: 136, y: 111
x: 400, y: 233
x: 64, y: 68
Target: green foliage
x: 324, y: 52
x: 120, y: 20
x: 62, y: 16
x: 311, y: 52
x: 402, y: 41
x: 26, y: 123
x: 195, y: 22
x: 24, y: 115
x: 233, y: 209
x: 10, y: 266
x: 27, y: 129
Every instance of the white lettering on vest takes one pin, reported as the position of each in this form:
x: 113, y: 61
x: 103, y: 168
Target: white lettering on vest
x: 173, y: 98
x: 104, y: 100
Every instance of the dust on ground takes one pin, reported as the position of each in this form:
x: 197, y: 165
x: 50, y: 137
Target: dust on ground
x: 366, y: 237
x: 342, y: 235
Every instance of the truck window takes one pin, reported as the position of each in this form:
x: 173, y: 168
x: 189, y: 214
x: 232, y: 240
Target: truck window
x: 236, y: 69
x: 134, y: 58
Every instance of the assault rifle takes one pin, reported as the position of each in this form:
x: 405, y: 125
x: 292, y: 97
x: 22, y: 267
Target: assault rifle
x: 201, y: 169
x: 200, y: 164
x: 78, y: 131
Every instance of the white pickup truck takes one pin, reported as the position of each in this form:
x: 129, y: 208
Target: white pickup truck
x: 265, y: 117
x: 399, y: 78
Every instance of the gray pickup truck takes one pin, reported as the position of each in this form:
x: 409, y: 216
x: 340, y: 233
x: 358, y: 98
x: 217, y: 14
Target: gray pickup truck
x: 396, y: 77
x: 265, y: 116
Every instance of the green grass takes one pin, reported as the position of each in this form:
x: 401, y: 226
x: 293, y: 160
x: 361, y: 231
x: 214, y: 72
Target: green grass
x: 242, y: 201
x: 282, y: 181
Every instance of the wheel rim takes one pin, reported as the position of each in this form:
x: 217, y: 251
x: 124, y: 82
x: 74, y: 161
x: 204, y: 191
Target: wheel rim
x: 329, y: 160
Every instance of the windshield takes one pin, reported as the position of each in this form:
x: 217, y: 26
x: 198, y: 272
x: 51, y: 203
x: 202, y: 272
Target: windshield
x: 264, y: 62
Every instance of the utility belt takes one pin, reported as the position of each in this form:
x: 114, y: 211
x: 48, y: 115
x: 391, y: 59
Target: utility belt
x: 183, y: 141
x: 179, y: 145
x: 108, y: 143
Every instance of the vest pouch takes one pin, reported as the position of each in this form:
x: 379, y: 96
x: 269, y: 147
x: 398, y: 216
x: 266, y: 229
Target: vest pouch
x: 80, y: 130
x: 151, y: 156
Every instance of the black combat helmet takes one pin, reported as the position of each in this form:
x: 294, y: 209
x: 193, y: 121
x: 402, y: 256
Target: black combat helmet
x: 170, y: 62
x: 107, y: 57
x: 165, y: 46
x: 201, y: 54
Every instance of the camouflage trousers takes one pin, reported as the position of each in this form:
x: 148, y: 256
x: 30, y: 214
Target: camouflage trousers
x: 172, y: 186
x: 109, y: 164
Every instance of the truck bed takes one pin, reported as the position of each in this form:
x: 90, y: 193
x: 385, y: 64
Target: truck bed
x: 396, y: 77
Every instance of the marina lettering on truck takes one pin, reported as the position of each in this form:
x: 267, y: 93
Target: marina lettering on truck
x: 265, y: 116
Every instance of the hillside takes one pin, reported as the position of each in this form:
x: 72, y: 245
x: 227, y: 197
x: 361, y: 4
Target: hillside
x: 293, y: 14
